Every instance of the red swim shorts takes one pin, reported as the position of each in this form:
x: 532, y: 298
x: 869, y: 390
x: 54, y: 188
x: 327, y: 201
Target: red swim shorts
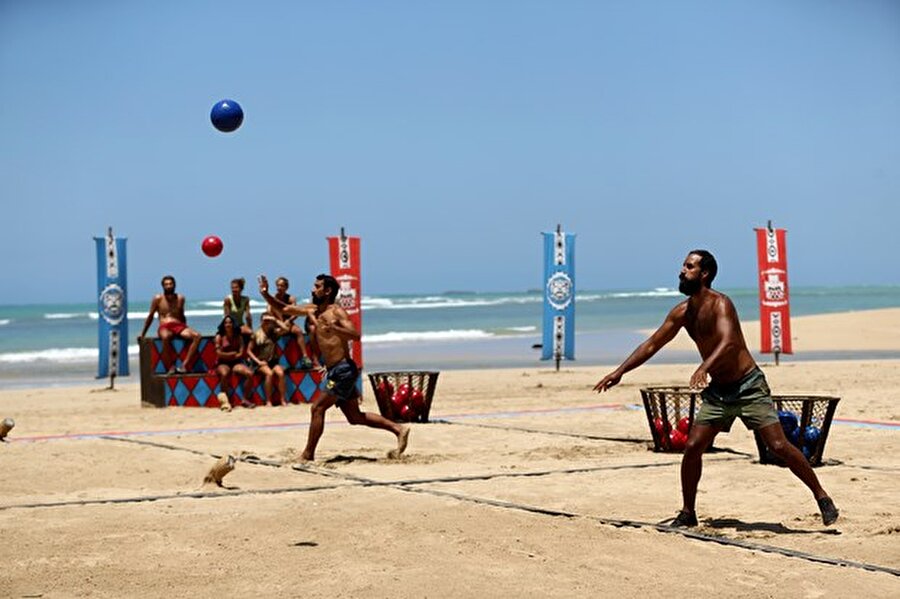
x: 175, y: 327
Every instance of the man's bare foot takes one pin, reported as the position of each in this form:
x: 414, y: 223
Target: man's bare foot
x: 307, y: 457
x: 828, y: 509
x: 402, y: 440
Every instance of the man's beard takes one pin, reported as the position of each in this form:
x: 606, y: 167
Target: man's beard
x: 317, y: 300
x: 689, y: 287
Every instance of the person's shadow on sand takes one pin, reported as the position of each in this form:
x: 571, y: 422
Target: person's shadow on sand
x: 773, y: 527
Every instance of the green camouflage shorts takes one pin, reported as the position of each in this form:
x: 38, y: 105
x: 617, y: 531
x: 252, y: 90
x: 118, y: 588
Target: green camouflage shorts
x: 748, y: 399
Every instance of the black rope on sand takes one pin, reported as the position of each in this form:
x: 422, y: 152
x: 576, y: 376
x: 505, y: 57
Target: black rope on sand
x: 159, y: 445
x: 194, y: 495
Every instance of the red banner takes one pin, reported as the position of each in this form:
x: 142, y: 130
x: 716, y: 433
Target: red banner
x: 774, y: 300
x: 343, y: 253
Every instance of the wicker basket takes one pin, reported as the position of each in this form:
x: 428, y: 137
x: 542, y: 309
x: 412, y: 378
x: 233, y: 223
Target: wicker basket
x: 415, y: 405
x: 813, y: 415
x: 666, y: 407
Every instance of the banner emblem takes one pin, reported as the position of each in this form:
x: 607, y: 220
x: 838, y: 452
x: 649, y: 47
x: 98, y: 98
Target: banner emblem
x: 559, y: 290
x: 346, y: 297
x: 112, y: 304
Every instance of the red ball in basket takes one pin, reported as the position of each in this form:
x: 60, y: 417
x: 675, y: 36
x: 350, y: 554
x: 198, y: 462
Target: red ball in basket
x: 404, y: 391
x: 385, y: 389
x: 684, y: 425
x: 677, y: 439
x: 407, y: 412
x: 212, y: 246
x: 398, y: 400
x: 417, y: 399
x: 660, y: 427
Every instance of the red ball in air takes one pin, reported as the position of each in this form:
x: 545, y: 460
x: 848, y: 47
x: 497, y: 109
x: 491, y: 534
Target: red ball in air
x: 212, y: 246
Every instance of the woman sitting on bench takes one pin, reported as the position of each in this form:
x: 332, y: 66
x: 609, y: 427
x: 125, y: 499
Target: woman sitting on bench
x: 230, y: 359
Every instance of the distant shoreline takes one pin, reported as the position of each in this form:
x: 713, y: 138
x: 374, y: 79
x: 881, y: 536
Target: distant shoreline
x: 857, y: 331
x: 863, y: 335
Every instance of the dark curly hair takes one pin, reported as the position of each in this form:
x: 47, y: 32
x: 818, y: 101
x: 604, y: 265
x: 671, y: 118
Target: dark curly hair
x: 707, y: 263
x: 221, y: 329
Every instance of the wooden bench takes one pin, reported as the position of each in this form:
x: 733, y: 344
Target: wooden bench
x: 199, y: 387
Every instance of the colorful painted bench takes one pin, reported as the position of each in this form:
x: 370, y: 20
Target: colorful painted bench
x: 200, y: 386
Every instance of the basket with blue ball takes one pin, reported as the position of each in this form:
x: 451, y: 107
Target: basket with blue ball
x: 806, y: 421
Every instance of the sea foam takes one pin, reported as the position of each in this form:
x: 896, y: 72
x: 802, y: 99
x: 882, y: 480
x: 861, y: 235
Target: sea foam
x: 408, y: 336
x: 59, y: 355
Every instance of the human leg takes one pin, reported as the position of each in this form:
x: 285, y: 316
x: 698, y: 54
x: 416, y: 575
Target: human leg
x: 699, y: 440
x: 192, y: 337
x: 168, y: 352
x: 279, y: 377
x: 773, y: 436
x: 266, y: 373
x: 317, y: 424
x: 354, y: 415
x: 244, y: 372
x: 297, y: 332
x: 224, y: 373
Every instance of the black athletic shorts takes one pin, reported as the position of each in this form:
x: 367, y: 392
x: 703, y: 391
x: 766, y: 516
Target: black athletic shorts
x: 341, y: 380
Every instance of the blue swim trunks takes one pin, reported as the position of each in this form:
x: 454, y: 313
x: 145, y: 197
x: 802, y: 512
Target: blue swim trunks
x: 341, y: 380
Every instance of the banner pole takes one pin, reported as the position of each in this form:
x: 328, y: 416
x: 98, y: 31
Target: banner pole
x: 558, y: 352
x: 776, y: 352
x: 112, y: 372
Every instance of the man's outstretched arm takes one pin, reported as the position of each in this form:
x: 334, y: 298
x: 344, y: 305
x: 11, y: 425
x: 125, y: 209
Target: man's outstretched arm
x: 283, y: 307
x: 665, y: 333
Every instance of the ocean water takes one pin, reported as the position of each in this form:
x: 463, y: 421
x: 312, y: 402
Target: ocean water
x: 56, y: 344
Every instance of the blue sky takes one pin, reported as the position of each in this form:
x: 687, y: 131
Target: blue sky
x: 447, y: 135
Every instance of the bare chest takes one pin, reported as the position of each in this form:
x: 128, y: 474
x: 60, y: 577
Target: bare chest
x: 701, y: 323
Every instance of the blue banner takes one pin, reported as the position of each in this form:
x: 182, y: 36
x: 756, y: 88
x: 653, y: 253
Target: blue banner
x: 112, y: 303
x: 559, y: 296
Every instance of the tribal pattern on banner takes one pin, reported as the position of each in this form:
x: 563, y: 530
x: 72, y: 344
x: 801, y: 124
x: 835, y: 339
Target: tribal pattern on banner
x: 559, y: 296
x: 112, y: 303
x: 343, y: 253
x: 774, y: 300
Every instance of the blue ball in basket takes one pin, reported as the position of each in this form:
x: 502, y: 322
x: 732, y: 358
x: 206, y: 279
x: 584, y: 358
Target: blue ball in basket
x: 788, y: 421
x: 811, y: 436
x: 794, y: 436
x: 807, y: 452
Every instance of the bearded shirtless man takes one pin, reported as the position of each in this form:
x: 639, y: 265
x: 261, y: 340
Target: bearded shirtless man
x: 733, y: 385
x: 333, y: 331
x: 172, y: 323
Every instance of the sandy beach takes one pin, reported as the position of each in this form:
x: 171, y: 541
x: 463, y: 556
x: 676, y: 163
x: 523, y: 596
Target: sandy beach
x: 525, y: 483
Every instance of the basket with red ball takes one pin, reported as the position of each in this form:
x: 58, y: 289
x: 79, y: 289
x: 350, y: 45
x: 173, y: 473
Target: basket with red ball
x: 670, y: 413
x: 404, y: 396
